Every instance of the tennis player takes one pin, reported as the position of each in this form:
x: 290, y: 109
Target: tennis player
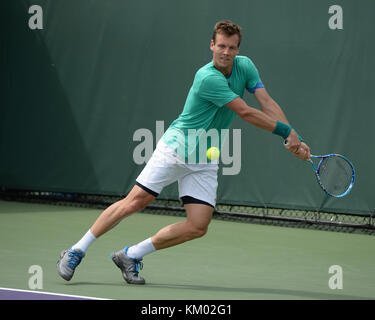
x: 213, y: 102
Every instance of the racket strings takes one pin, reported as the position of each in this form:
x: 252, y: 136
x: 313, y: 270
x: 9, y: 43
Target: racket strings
x: 335, y: 175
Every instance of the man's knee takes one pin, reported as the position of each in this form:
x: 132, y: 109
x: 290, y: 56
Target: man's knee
x: 198, y: 232
x: 135, y: 201
x: 129, y: 206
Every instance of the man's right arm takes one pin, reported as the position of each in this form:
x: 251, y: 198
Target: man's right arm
x: 262, y: 120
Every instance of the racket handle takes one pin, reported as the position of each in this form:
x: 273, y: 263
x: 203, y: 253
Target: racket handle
x: 309, y: 159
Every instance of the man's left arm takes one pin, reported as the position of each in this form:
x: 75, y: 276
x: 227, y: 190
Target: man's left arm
x: 274, y: 111
x: 269, y: 106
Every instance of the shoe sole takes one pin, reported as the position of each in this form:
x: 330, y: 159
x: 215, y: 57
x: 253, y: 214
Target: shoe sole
x: 62, y: 275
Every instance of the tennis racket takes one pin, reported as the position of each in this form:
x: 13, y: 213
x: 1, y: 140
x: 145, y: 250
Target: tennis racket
x: 334, y: 172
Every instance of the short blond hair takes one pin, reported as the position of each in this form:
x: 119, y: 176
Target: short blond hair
x: 229, y: 28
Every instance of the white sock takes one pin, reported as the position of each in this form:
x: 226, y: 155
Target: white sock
x: 139, y: 250
x: 85, y: 242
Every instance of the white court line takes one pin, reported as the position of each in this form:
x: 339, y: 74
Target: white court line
x: 53, y: 294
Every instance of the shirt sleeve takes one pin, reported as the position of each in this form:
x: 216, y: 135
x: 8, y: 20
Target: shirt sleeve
x: 253, y: 79
x: 216, y: 90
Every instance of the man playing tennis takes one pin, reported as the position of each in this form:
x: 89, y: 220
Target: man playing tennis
x: 214, y: 100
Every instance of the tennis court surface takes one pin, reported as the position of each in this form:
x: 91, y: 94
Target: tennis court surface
x: 233, y: 261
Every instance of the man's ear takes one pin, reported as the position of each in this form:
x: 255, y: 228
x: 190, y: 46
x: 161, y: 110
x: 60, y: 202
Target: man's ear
x: 212, y: 43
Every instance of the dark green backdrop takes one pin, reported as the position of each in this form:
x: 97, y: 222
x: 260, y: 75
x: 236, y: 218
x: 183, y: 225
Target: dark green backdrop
x: 74, y: 93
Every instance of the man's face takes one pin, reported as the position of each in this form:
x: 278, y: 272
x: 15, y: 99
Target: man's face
x: 224, y: 49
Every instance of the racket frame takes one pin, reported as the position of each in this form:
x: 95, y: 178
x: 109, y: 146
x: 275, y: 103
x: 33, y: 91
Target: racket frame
x: 317, y: 170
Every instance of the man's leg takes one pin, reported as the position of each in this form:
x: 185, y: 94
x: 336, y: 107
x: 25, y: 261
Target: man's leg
x: 195, y: 226
x: 128, y: 260
x: 136, y: 200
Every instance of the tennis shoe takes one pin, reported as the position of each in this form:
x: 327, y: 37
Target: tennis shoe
x: 129, y: 267
x: 68, y: 262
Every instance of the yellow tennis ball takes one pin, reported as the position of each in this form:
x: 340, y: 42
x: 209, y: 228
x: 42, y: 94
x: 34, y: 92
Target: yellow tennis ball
x: 213, y: 153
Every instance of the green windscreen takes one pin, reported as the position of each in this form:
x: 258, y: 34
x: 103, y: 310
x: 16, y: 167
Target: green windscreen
x: 88, y: 87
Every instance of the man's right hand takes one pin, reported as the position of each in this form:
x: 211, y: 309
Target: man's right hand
x: 300, y: 149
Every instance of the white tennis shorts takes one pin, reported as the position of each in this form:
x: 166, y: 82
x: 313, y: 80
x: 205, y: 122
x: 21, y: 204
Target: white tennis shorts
x: 198, y: 181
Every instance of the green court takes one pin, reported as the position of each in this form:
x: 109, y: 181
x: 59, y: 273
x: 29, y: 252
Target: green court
x: 90, y: 88
x: 233, y: 261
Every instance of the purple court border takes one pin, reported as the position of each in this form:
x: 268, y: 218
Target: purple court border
x: 18, y: 294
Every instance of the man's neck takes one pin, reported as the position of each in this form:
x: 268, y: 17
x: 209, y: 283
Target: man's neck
x: 225, y: 71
